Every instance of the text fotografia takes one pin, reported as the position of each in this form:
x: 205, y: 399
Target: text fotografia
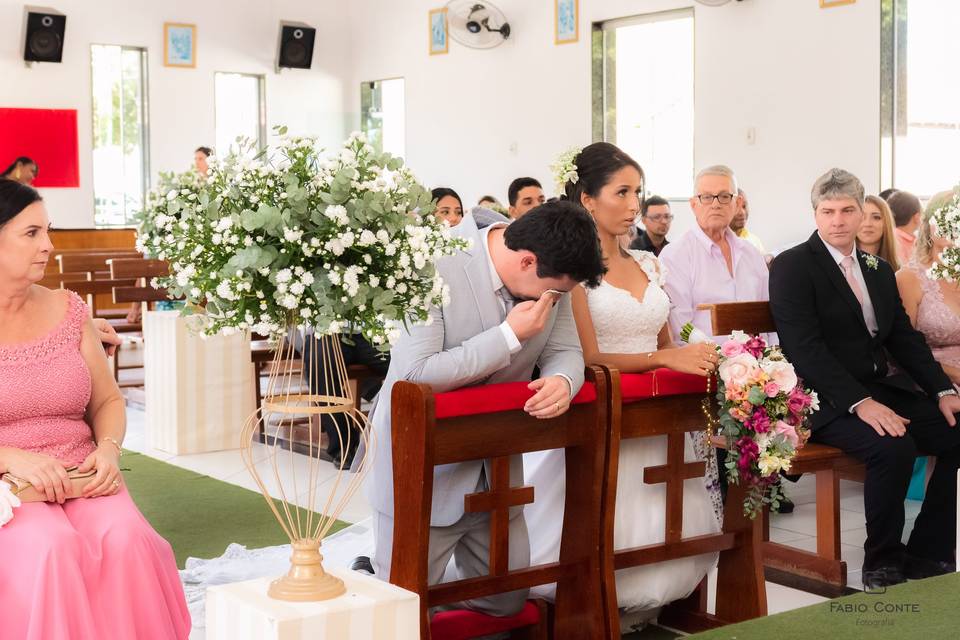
x: 876, y: 607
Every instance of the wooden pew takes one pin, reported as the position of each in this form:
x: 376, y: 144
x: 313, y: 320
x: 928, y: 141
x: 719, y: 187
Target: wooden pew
x: 430, y: 430
x: 822, y: 571
x: 666, y: 403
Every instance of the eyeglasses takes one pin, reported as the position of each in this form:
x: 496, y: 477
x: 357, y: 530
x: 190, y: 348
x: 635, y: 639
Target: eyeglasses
x: 722, y: 198
x: 663, y: 217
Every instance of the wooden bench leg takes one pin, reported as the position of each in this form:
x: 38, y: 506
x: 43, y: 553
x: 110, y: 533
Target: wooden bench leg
x: 828, y: 514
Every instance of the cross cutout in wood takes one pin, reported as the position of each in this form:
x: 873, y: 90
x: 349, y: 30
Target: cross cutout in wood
x: 673, y: 474
x: 498, y: 500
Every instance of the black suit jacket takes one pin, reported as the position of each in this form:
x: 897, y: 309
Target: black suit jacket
x: 823, y: 333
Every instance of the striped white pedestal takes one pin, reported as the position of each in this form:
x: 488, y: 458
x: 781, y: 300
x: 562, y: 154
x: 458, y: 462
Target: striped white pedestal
x: 199, y: 391
x: 370, y: 610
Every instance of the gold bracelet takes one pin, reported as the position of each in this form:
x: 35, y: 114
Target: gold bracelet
x: 112, y: 441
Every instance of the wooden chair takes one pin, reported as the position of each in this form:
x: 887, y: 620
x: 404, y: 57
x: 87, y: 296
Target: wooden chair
x: 666, y: 403
x: 822, y: 571
x: 469, y: 424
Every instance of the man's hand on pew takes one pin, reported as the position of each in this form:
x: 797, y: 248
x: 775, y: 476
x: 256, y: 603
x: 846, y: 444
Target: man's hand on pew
x: 108, y: 336
x: 552, y: 397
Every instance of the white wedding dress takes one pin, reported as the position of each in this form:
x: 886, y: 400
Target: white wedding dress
x: 625, y: 325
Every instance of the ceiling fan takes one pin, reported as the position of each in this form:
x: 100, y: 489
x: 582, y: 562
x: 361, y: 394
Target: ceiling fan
x: 477, y: 23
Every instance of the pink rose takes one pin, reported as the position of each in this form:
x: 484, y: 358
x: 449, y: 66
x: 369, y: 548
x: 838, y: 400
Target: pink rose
x: 788, y: 432
x: 781, y: 372
x: 731, y: 348
x: 771, y: 389
x: 738, y: 369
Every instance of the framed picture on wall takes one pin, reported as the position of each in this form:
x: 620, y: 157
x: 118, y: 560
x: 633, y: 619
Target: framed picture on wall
x: 826, y: 4
x: 439, y: 42
x: 179, y: 45
x: 567, y: 21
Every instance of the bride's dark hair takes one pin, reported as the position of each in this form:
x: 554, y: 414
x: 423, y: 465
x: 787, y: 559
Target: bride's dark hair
x: 595, y: 164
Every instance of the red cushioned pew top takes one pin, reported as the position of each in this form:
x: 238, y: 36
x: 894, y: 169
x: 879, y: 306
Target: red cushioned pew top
x: 659, y: 382
x: 493, y: 398
x: 462, y: 624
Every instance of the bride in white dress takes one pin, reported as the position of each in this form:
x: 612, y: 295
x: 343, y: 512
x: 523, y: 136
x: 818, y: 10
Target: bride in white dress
x: 622, y: 323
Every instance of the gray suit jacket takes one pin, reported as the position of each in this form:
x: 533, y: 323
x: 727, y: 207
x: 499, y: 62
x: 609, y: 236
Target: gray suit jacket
x: 464, y: 346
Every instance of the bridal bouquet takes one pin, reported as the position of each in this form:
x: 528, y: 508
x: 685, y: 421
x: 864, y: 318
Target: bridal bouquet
x: 341, y: 242
x: 763, y: 411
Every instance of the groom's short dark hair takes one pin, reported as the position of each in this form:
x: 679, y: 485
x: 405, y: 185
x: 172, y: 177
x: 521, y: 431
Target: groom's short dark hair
x: 564, y: 238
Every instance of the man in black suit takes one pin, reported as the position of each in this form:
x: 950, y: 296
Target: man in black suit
x: 839, y: 315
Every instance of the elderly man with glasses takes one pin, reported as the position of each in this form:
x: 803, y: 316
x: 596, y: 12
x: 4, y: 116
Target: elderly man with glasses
x: 709, y: 263
x: 656, y: 218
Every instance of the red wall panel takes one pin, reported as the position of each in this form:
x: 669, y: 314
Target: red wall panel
x: 49, y: 136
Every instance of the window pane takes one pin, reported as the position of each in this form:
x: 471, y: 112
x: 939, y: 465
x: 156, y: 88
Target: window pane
x: 119, y: 136
x: 237, y: 110
x: 648, y: 89
x: 383, y: 115
x: 926, y: 159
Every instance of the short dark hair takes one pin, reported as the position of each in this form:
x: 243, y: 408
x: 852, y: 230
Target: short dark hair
x: 652, y: 201
x: 595, y: 164
x: 443, y: 192
x: 207, y: 151
x: 22, y: 160
x: 513, y: 191
x: 14, y: 198
x: 487, y: 199
x: 904, y: 206
x: 564, y: 238
x: 886, y: 193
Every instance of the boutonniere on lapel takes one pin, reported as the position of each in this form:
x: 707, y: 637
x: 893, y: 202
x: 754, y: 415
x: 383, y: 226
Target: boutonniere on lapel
x: 871, y: 261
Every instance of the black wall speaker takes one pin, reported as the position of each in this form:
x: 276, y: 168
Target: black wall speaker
x: 296, y: 46
x: 43, y: 39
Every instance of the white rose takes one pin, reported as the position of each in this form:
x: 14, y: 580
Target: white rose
x: 781, y: 372
x: 738, y: 369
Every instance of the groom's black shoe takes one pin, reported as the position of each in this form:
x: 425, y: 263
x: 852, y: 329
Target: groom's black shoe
x: 362, y: 564
x: 919, y: 568
x: 882, y: 577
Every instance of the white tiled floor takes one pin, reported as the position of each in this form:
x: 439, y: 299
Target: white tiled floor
x: 797, y: 529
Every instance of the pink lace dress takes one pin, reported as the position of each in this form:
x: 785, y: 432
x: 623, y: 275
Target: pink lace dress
x: 92, y: 567
x: 936, y: 321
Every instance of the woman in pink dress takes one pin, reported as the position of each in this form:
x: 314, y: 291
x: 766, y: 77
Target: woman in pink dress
x: 933, y: 305
x: 83, y: 566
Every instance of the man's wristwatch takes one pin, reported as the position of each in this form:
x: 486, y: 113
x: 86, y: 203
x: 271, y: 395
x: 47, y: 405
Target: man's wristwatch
x: 946, y: 392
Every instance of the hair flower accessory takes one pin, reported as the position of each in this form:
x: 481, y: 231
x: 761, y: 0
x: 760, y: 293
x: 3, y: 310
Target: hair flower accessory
x: 564, y: 170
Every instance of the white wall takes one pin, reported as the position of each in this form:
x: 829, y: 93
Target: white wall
x: 232, y: 35
x: 806, y: 78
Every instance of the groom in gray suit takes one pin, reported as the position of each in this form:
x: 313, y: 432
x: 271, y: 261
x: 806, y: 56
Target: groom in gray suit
x: 501, y: 322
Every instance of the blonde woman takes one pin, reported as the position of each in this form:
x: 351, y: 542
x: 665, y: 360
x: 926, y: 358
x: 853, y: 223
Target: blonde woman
x: 876, y: 235
x: 933, y: 305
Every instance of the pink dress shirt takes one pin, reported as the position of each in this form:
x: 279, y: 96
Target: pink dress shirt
x: 696, y: 273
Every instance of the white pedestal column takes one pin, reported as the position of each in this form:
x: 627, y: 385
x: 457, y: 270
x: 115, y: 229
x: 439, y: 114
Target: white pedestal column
x: 199, y: 391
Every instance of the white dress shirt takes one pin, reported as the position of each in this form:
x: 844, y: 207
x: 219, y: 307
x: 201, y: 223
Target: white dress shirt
x: 869, y: 316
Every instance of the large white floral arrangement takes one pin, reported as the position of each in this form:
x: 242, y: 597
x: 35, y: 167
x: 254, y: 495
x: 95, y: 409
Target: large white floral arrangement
x: 341, y: 242
x: 946, y: 221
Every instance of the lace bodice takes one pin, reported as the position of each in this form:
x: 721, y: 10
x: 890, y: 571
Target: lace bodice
x: 624, y: 324
x: 939, y: 324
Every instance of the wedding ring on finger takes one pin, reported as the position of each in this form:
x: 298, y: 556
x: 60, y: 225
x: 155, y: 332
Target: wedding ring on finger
x: 557, y: 405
